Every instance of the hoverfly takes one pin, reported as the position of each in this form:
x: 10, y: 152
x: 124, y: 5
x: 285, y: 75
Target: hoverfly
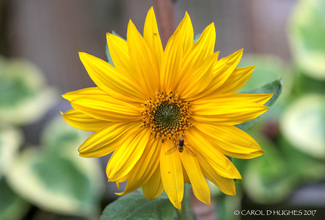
x: 180, y: 147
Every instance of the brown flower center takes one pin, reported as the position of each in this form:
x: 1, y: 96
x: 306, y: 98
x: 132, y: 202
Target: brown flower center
x: 167, y: 116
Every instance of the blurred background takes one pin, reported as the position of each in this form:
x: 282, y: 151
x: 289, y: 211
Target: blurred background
x: 41, y: 174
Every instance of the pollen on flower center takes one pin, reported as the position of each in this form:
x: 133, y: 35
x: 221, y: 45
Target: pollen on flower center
x: 167, y: 115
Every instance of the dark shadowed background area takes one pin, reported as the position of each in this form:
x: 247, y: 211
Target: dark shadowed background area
x: 50, y: 33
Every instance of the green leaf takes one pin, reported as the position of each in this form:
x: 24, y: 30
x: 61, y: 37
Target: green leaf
x: 55, y: 178
x: 186, y: 213
x: 60, y: 138
x: 267, y: 179
x: 12, y: 207
x: 303, y: 125
x: 136, y: 206
x: 275, y: 88
x: 197, y: 37
x: 226, y: 205
x: 267, y: 69
x: 306, y: 37
x: 302, y: 166
x: 10, y: 141
x: 305, y: 84
x: 24, y: 96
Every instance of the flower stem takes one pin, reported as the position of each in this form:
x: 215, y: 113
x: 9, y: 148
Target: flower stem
x: 186, y: 213
x: 166, y: 18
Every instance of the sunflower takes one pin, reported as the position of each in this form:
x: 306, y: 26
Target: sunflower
x: 167, y: 114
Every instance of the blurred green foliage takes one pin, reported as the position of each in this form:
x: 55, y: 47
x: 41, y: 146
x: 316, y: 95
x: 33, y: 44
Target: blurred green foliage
x: 56, y: 178
x: 51, y: 176
x: 292, y: 132
x: 136, y: 206
x: 306, y: 34
x: 24, y: 95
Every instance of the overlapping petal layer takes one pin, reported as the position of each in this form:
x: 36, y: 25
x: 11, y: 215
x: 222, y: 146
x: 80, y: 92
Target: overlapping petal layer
x: 176, y: 48
x: 226, y: 185
x: 220, y: 163
x: 107, y: 108
x: 119, y: 52
x: 145, y: 167
x: 108, y: 139
x: 230, y: 140
x: 110, y: 80
x: 221, y: 72
x: 236, y: 81
x: 82, y: 121
x: 152, y: 37
x: 153, y: 187
x: 172, y: 175
x: 142, y: 59
x: 193, y: 169
x: 127, y: 154
x: 229, y: 109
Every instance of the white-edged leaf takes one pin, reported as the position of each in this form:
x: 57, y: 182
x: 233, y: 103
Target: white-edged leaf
x: 267, y: 179
x: 10, y: 141
x: 303, y: 125
x: 55, y: 178
x: 12, y: 207
x: 306, y: 36
x: 24, y: 95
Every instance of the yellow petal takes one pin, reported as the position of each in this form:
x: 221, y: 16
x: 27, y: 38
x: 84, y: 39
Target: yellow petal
x: 222, y: 71
x: 258, y: 98
x: 153, y: 187
x: 145, y: 167
x: 172, y: 174
x: 152, y: 37
x: 197, y: 79
x: 107, y: 108
x: 123, y: 179
x: 241, y: 97
x: 176, y: 48
x: 230, y: 140
x: 186, y: 178
x: 108, y: 139
x: 217, y: 160
x: 82, y: 121
x: 91, y: 91
x: 226, y: 185
x: 127, y: 155
x: 118, y: 49
x: 236, y: 80
x: 111, y: 81
x: 200, y: 186
x: 229, y: 109
x: 143, y: 61
x: 200, y: 50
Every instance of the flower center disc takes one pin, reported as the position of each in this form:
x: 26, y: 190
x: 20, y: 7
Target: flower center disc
x: 167, y: 116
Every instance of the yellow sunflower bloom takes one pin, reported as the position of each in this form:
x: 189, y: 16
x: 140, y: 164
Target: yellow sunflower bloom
x: 153, y: 99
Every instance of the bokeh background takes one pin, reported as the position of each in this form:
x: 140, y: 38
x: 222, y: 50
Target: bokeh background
x: 41, y: 174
